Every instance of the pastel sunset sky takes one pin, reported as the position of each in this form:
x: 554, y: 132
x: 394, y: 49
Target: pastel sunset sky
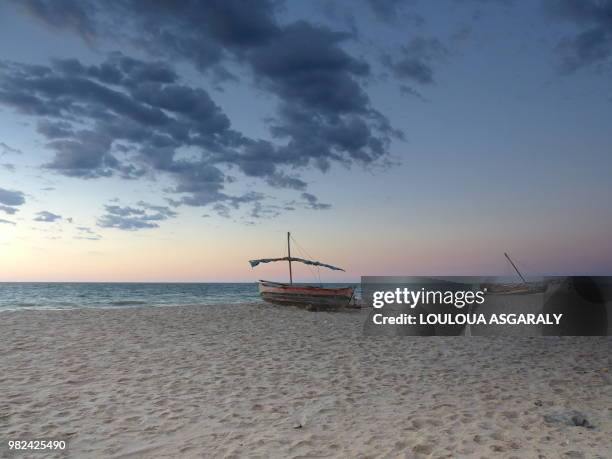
x: 152, y: 141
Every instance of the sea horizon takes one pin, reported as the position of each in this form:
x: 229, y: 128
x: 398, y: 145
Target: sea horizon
x: 17, y: 296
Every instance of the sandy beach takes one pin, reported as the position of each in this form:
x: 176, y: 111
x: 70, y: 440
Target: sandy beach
x: 263, y: 381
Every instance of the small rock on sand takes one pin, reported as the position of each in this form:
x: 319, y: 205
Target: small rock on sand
x: 570, y: 418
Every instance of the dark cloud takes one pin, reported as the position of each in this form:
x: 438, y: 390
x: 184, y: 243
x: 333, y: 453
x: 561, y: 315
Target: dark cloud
x: 307, y: 201
x: 416, y: 59
x: 11, y: 197
x: 9, y: 201
x: 8, y: 210
x: 151, y: 113
x: 129, y: 218
x: 592, y: 45
x: 87, y: 155
x: 340, y: 13
x: 128, y: 117
x: 65, y: 14
x: 47, y: 217
x: 203, y: 33
x: 414, y: 69
x: 501, y: 2
x: 312, y: 202
x: 8, y: 166
x: 318, y: 140
x: 156, y: 212
x: 306, y: 65
x: 55, y: 129
x: 7, y: 222
x: 391, y: 12
x: 119, y: 70
x: 462, y: 35
x: 385, y: 10
x: 6, y: 149
x: 281, y: 180
x: 410, y: 91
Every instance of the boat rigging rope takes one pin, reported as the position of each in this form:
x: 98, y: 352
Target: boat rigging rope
x: 305, y: 254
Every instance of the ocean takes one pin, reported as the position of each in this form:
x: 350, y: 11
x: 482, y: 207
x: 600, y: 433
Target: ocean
x: 69, y: 295
x: 77, y: 295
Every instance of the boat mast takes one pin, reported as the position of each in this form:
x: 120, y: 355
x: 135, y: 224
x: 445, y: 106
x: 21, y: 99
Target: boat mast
x: 289, y: 257
x: 515, y: 268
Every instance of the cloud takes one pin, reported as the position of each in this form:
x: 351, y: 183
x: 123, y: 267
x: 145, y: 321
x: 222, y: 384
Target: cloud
x: 11, y: 197
x: 307, y: 201
x: 72, y: 15
x: 267, y: 211
x: 55, y: 129
x: 280, y: 180
x: 7, y: 150
x: 128, y: 117
x: 312, y: 202
x: 8, y: 166
x: 8, y: 210
x: 415, y: 60
x: 116, y: 102
x: 592, y: 45
x: 390, y: 12
x: 222, y: 210
x: 406, y: 90
x: 119, y: 70
x: 9, y: 201
x: 135, y: 218
x: 86, y: 155
x: 47, y: 217
x: 385, y: 10
x: 7, y: 222
x: 87, y: 233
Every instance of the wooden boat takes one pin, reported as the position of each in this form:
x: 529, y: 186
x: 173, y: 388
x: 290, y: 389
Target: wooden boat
x: 514, y: 289
x: 303, y: 295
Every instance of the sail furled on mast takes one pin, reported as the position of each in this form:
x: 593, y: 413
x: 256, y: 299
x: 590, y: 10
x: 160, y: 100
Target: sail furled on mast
x: 299, y: 260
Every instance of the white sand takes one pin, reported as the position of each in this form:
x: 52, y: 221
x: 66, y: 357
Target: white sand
x: 262, y: 381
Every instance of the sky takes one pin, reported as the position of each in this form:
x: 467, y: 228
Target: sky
x: 175, y: 141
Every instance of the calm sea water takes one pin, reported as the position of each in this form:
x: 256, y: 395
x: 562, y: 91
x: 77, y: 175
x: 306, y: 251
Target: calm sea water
x: 43, y: 295
x: 52, y: 295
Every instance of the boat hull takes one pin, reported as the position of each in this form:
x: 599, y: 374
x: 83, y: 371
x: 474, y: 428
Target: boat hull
x: 515, y: 289
x: 307, y: 296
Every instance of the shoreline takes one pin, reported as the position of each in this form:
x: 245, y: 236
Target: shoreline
x: 255, y: 379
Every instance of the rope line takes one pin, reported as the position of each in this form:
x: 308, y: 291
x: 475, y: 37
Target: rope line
x: 305, y: 254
